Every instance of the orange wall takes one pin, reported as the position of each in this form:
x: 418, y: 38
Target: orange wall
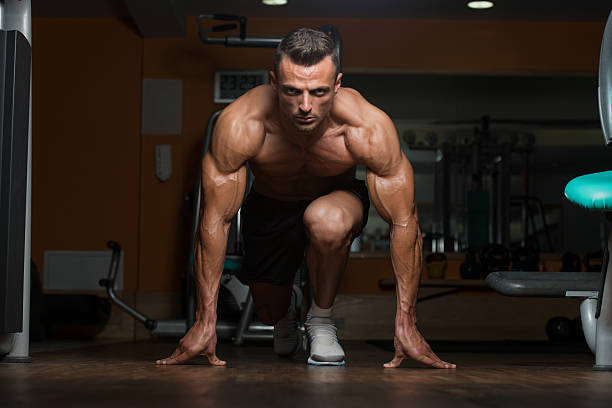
x: 448, y: 46
x: 86, y: 145
x: 93, y: 175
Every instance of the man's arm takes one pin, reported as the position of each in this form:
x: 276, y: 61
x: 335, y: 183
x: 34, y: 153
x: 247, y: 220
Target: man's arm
x: 235, y: 140
x: 391, y: 185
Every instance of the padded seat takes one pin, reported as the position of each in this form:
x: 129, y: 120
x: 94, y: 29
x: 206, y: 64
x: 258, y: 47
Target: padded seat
x: 547, y: 284
x: 592, y: 191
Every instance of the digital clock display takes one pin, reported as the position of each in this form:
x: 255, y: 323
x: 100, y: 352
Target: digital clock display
x: 229, y: 85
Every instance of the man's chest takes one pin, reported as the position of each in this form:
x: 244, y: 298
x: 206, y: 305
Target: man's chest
x: 327, y: 157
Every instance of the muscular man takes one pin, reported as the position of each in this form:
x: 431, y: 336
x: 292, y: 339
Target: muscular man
x: 302, y: 136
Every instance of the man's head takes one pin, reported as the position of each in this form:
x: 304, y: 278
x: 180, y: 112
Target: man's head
x: 306, y: 77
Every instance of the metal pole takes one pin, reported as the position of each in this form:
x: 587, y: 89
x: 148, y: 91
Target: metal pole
x: 16, y: 15
x: 504, y: 199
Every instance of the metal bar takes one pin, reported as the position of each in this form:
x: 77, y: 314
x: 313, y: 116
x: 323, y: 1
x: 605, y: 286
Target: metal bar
x: 604, y: 272
x: 109, y: 283
x: 245, y: 318
x: 252, y: 42
x: 233, y: 41
x: 495, y: 207
x: 524, y: 223
x: 544, y: 223
x: 534, y: 228
x: 439, y: 294
x: 258, y: 336
x: 446, y: 207
x: 17, y: 15
x: 504, y: 199
x: 603, y: 346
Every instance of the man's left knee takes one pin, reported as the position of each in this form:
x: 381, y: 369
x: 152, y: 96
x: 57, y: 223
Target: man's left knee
x: 329, y: 227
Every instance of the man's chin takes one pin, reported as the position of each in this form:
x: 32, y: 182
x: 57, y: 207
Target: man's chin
x: 303, y: 128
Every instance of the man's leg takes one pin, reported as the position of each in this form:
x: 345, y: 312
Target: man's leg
x: 274, y: 240
x: 271, y: 300
x: 331, y: 222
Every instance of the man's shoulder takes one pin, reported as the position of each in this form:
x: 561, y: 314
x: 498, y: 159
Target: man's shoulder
x: 256, y: 104
x: 354, y: 110
x: 370, y: 134
x: 240, y: 127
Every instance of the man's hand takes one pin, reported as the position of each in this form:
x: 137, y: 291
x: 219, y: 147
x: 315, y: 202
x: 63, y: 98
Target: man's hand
x: 409, y: 343
x: 201, y: 339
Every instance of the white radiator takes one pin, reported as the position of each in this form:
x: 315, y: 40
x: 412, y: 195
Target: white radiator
x: 78, y: 270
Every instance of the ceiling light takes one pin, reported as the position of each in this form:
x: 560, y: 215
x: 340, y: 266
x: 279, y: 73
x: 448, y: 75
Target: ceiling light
x: 480, y: 5
x: 274, y: 2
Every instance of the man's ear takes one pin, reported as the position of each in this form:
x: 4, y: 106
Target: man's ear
x: 273, y: 82
x: 338, y: 82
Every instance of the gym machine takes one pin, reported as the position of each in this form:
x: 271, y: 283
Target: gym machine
x: 236, y: 292
x: 594, y: 192
x: 15, y: 178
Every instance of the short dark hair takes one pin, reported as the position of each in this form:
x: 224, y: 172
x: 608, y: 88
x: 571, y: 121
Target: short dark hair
x: 306, y: 47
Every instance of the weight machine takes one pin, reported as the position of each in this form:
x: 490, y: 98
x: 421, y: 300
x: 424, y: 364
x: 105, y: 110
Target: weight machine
x: 594, y: 192
x: 15, y: 175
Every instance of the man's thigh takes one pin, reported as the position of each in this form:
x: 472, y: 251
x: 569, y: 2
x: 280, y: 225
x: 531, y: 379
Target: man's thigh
x: 274, y: 239
x: 341, y: 206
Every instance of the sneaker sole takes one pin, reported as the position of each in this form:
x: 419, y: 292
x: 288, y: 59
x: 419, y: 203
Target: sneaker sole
x: 325, y: 363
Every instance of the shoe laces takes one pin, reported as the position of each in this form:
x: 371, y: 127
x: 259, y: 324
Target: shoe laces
x: 321, y: 331
x: 288, y: 322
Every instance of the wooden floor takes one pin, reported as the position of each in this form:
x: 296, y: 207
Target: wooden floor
x: 124, y: 374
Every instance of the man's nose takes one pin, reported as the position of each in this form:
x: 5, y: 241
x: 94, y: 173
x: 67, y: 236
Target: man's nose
x: 305, y: 103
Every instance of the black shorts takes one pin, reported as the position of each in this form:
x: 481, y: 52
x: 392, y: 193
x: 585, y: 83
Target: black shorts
x: 275, y: 237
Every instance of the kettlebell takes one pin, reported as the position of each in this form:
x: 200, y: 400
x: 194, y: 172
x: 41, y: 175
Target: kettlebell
x: 570, y: 262
x: 559, y: 329
x: 494, y: 257
x: 470, y: 268
x: 593, y: 261
x: 525, y: 259
x: 436, y: 265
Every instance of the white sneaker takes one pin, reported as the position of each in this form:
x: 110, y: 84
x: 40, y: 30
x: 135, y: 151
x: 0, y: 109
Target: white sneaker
x: 324, y: 346
x: 286, y: 334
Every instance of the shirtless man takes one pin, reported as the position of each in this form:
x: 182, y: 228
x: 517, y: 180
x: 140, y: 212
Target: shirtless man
x: 302, y: 136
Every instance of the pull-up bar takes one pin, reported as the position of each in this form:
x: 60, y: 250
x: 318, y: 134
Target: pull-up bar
x: 242, y: 40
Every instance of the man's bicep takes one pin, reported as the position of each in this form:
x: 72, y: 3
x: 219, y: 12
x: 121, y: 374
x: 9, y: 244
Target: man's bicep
x: 392, y: 193
x: 234, y: 141
x: 222, y: 190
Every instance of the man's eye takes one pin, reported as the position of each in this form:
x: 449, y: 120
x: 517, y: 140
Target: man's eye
x: 291, y: 91
x: 319, y: 92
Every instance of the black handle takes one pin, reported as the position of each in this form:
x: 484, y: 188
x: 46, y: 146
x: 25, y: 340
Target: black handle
x: 114, y: 265
x: 221, y: 16
x: 223, y: 27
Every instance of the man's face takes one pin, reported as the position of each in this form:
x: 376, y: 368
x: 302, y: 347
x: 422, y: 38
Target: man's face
x: 305, y: 94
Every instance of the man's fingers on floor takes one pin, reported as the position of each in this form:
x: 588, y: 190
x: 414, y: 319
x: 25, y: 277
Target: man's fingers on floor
x: 448, y: 365
x: 430, y: 360
x: 436, y: 362
x: 179, y: 359
x: 397, y: 360
x: 214, y: 360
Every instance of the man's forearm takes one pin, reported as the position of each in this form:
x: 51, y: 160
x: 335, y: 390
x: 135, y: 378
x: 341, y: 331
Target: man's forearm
x: 406, y: 254
x: 209, y: 258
